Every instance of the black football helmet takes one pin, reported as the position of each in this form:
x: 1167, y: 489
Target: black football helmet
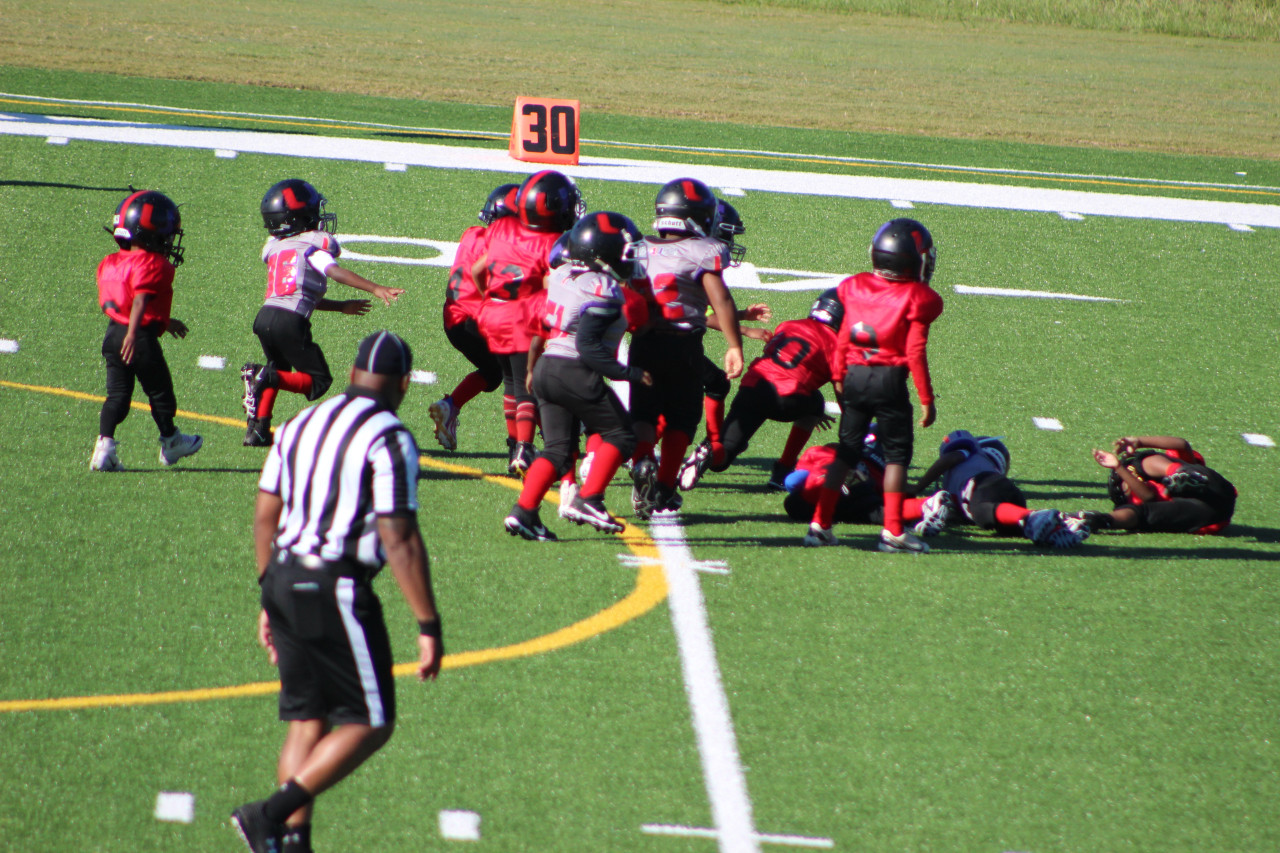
x: 558, y: 254
x: 828, y: 309
x: 499, y: 204
x: 903, y: 250
x: 293, y: 206
x: 686, y: 205
x: 728, y: 226
x: 151, y: 220
x: 609, y: 243
x: 549, y: 201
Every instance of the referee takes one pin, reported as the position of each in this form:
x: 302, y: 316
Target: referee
x: 337, y: 499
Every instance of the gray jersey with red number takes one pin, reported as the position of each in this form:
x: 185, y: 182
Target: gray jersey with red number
x: 674, y: 270
x: 573, y: 292
x: 292, y: 282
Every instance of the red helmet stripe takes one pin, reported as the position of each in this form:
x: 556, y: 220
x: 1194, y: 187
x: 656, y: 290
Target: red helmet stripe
x: 292, y: 200
x: 124, y: 205
x: 690, y: 190
x: 145, y: 219
x: 602, y: 219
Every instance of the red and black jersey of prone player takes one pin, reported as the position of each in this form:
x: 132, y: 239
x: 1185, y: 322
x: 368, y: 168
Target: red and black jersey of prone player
x: 798, y: 359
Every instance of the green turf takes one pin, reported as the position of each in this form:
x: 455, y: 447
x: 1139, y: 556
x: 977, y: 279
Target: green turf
x: 988, y: 697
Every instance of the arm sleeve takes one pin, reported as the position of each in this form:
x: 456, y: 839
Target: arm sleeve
x: 592, y: 326
x: 320, y: 261
x: 918, y: 361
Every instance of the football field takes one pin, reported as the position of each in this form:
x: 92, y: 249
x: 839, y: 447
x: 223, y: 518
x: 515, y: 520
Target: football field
x: 700, y: 684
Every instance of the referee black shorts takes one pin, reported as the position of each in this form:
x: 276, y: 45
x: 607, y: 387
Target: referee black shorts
x: 287, y: 344
x: 334, y: 653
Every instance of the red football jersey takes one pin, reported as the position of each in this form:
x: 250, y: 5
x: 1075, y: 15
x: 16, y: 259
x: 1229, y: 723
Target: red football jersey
x: 516, y: 258
x: 123, y: 275
x: 461, y: 296
x: 798, y: 359
x: 887, y: 323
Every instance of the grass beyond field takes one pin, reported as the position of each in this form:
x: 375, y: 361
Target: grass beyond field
x: 987, y: 697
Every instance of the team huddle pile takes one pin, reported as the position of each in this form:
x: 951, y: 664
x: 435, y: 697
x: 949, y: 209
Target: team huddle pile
x: 538, y: 299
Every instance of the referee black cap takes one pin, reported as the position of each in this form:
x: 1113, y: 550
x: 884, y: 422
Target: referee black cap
x: 385, y: 353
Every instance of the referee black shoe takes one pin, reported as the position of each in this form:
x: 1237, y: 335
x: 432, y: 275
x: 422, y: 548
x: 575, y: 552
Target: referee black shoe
x: 258, y: 832
x: 525, y: 522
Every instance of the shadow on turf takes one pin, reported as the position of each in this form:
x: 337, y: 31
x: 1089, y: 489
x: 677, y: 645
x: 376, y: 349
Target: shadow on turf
x: 57, y: 186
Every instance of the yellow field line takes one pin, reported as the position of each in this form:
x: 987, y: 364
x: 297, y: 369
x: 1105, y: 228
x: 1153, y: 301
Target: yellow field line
x: 649, y: 591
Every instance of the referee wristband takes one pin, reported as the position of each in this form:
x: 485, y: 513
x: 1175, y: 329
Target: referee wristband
x: 430, y: 629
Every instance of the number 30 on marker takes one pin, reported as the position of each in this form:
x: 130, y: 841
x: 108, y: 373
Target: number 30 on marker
x: 545, y: 130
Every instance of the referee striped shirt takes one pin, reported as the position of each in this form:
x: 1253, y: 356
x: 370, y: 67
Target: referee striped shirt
x: 337, y: 466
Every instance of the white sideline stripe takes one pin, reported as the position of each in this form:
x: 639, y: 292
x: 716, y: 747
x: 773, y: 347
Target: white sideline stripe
x: 423, y: 377
x: 175, y: 806
x: 1239, y: 226
x: 1051, y: 424
x: 1074, y: 217
x: 717, y: 744
x: 225, y: 153
x: 792, y: 155
x: 902, y: 204
x: 57, y: 140
x: 917, y: 191
x: 396, y: 167
x: 7, y: 345
x: 703, y: 832
x: 1257, y: 439
x: 211, y: 362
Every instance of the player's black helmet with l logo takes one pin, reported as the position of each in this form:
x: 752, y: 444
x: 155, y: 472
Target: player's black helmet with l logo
x: 903, y: 250
x: 292, y: 206
x: 609, y: 243
x: 500, y: 203
x: 686, y: 205
x: 151, y: 220
x: 549, y: 201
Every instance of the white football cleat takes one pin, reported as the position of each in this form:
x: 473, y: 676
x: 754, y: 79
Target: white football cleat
x: 445, y: 415
x: 904, y: 543
x: 819, y: 537
x: 104, y: 456
x: 1040, y: 525
x: 177, y: 446
x: 937, y: 510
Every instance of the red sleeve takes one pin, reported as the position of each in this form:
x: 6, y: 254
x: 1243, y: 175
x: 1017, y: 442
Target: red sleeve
x: 918, y: 361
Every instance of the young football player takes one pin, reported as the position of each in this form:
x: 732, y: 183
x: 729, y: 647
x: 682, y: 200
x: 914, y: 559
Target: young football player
x: 883, y: 338
x: 135, y: 291
x: 584, y: 322
x: 974, y: 472
x: 462, y: 301
x: 1160, y: 484
x: 301, y: 256
x: 512, y: 269
x: 685, y: 268
x: 784, y: 384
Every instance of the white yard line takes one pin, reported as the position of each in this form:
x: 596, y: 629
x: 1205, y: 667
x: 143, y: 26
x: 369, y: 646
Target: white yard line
x: 717, y: 744
x: 915, y: 191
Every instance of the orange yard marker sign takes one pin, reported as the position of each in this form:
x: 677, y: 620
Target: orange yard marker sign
x: 545, y: 130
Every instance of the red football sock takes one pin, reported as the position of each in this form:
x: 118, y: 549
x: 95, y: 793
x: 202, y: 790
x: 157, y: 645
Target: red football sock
x: 674, y: 445
x: 1010, y: 515
x: 292, y: 380
x: 824, y: 514
x: 796, y: 440
x: 266, y: 402
x: 593, y: 442
x: 644, y: 450
x: 526, y: 420
x: 604, y: 465
x: 509, y: 412
x: 713, y: 411
x: 537, y: 482
x: 893, y: 512
x: 469, y: 388
x: 911, y: 510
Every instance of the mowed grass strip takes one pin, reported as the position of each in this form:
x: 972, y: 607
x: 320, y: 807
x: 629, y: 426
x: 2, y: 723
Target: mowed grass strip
x: 749, y: 64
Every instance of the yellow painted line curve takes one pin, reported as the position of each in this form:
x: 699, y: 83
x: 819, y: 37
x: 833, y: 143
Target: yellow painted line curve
x: 650, y: 590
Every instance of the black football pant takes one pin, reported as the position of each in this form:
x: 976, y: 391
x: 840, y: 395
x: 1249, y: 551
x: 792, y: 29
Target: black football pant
x: 148, y: 368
